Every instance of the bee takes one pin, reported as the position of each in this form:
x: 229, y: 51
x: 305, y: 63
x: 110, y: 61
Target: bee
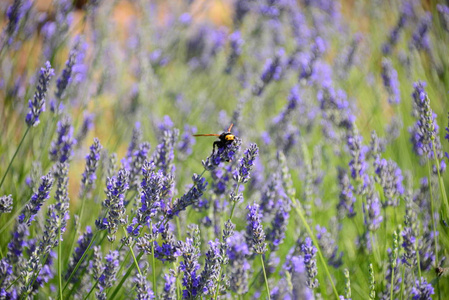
x: 224, y: 139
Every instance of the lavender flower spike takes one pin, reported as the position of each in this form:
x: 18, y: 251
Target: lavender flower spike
x: 62, y: 147
x: 390, y: 80
x: 115, y: 194
x: 37, y: 105
x: 422, y: 290
x: 5, y: 204
x: 107, y: 279
x: 255, y: 236
x: 246, y: 164
x: 33, y: 207
x: 63, y: 81
x: 180, y: 204
x: 309, y: 252
x: 89, y: 176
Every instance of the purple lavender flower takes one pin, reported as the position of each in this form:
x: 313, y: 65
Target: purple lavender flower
x: 389, y: 175
x: 329, y: 247
x: 347, y: 199
x: 135, y: 167
x: 276, y: 233
x: 424, y: 134
x: 308, y: 60
x: 37, y: 200
x: 190, y: 281
x: 83, y: 244
x: 169, y: 292
x: 444, y: 15
x: 151, y: 192
x: 272, y: 71
x: 115, y: 196
x: 135, y: 141
x: 88, y: 121
x: 236, y: 43
x: 246, y: 164
x: 210, y: 275
x: 241, y: 9
x: 192, y: 196
x: 358, y: 152
x: 237, y: 252
x: 309, y: 252
x: 6, y: 204
x: 391, y: 83
x: 37, y: 105
x: 394, y: 35
x: 107, y: 279
x: 143, y: 290
x: 422, y: 290
x: 420, y: 38
x: 89, y: 176
x: 66, y: 76
x: 15, y: 13
x: 62, y: 195
x: 255, y: 236
x: 169, y: 250
x: 164, y: 154
x: 371, y: 208
x: 62, y: 147
x: 186, y: 142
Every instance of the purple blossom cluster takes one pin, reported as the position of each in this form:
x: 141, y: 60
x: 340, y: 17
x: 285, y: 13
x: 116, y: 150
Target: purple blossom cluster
x: 315, y: 191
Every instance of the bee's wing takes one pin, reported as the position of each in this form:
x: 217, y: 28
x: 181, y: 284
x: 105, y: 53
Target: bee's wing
x: 209, y: 134
x: 230, y: 127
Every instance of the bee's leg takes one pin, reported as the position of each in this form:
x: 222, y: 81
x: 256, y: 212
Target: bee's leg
x: 215, y: 144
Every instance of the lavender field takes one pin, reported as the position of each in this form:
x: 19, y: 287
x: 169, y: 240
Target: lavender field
x: 323, y: 175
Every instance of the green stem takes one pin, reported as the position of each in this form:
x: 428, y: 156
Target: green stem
x: 124, y: 278
x: 441, y: 183
x: 14, y: 156
x: 153, y: 271
x: 132, y: 253
x: 312, y: 236
x: 265, y: 276
x: 59, y: 265
x: 79, y: 262
x: 77, y: 229
x: 391, y: 281
x: 435, y: 236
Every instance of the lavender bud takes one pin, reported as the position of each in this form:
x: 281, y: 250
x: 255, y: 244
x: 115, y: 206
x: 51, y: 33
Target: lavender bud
x: 191, y: 197
x: 190, y: 281
x: 115, y: 196
x: 111, y: 267
x: 36, y: 201
x: 143, y: 290
x: 135, y: 168
x: 422, y: 290
x: 38, y: 104
x: 63, y: 81
x: 246, y: 164
x: 347, y: 199
x: 309, y: 252
x: 6, y: 204
x: 89, y: 176
x: 391, y: 83
x: 255, y: 236
x: 62, y: 147
x: 169, y: 292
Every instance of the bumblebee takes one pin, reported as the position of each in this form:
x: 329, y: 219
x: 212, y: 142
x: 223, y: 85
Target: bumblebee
x: 224, y: 139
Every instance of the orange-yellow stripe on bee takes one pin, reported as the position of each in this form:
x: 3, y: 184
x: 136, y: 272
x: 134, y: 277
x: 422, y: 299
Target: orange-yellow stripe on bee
x: 230, y: 137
